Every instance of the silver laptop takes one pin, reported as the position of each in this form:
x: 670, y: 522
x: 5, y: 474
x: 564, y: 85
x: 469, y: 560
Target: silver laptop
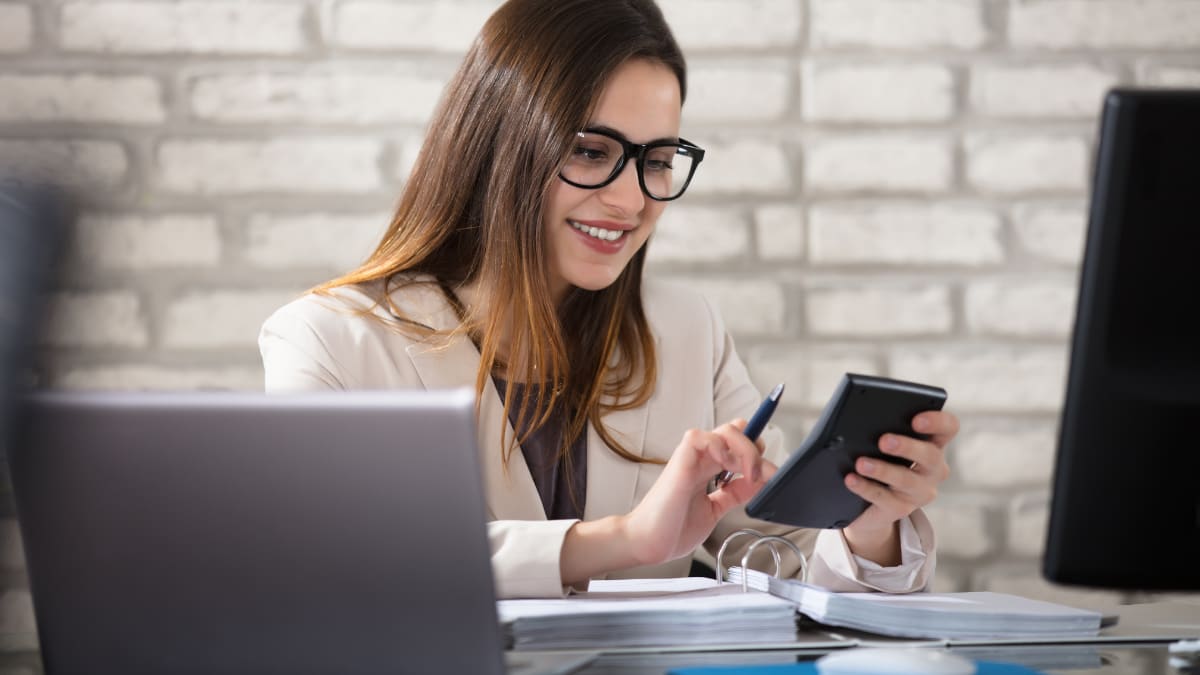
x: 245, y: 533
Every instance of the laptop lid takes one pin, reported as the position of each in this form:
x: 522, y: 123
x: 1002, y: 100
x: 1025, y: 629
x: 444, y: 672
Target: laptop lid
x: 245, y: 533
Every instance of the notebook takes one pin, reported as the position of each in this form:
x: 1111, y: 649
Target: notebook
x: 245, y: 533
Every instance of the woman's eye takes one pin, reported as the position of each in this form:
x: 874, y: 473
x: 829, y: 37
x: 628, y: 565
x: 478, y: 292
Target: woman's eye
x: 658, y: 165
x: 590, y: 154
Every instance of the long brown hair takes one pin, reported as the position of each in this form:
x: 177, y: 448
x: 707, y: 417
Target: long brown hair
x: 473, y: 211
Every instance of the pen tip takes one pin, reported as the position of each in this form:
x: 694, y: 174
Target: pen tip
x: 777, y: 391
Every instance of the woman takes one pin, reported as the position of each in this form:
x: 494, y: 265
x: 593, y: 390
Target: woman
x: 514, y: 265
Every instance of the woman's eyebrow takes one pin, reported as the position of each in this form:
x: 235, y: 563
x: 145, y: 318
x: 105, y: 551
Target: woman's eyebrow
x: 618, y: 134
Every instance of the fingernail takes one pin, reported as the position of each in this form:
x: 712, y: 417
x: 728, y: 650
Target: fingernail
x: 866, y: 466
x: 921, y: 424
x: 890, y: 443
x: 852, y: 480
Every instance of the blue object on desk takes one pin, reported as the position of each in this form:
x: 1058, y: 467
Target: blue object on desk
x: 810, y: 668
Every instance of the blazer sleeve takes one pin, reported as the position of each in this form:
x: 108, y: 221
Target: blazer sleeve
x: 831, y: 564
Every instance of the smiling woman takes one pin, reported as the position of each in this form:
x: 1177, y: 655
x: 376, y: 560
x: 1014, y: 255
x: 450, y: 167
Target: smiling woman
x: 514, y: 265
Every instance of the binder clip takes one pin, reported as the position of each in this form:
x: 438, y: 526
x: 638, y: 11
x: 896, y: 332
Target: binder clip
x: 770, y: 541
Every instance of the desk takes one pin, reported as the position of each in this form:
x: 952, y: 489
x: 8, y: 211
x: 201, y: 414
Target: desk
x: 1136, y: 645
x: 1101, y: 659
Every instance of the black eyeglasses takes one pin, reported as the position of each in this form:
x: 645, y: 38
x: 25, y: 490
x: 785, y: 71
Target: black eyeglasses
x: 664, y: 168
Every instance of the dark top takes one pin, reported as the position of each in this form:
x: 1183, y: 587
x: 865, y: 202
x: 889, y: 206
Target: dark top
x: 555, y: 486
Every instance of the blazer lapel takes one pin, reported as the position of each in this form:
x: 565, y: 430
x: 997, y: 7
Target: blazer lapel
x: 510, y: 493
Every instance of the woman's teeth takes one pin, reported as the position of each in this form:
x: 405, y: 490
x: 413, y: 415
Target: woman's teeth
x: 597, y: 232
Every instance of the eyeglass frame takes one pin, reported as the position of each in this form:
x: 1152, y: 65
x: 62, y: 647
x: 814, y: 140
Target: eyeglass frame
x: 638, y: 152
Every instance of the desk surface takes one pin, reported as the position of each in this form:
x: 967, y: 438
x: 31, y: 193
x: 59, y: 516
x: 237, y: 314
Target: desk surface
x: 1101, y: 659
x: 1137, y: 645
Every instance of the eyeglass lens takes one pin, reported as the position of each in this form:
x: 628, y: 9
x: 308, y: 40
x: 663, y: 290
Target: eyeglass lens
x: 665, y: 169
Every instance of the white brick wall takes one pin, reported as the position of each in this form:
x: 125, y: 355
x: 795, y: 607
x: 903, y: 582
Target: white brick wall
x: 316, y: 97
x: 81, y: 98
x: 1100, y: 24
x: 16, y: 27
x: 879, y: 163
x: 734, y: 24
x: 894, y: 187
x: 190, y: 26
x: 146, y: 242
x: 887, y: 92
x: 217, y: 319
x: 898, y: 24
x: 1006, y: 163
x: 893, y: 309
x: 440, y: 27
x: 688, y: 233
x: 903, y: 233
x: 1048, y: 90
x: 296, y: 165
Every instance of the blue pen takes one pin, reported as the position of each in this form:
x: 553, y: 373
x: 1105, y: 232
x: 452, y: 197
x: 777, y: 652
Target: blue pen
x: 755, y: 426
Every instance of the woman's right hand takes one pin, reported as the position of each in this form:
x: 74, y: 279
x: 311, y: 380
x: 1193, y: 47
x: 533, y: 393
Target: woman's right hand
x: 678, y: 513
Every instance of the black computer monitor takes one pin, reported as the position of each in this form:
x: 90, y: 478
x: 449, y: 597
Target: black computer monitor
x: 1125, y: 512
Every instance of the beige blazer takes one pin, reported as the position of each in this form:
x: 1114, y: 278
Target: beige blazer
x: 321, y: 343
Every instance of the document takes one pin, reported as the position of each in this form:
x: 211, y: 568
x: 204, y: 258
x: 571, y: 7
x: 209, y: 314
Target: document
x: 949, y: 616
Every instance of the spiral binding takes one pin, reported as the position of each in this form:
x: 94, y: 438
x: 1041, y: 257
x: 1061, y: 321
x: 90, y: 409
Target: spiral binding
x: 761, y: 538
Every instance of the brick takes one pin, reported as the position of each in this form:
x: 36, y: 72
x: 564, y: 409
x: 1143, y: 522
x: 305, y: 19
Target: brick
x: 90, y: 165
x: 216, y: 319
x: 904, y: 234
x: 699, y: 234
x: 1029, y: 583
x: 738, y: 91
x: 898, y: 24
x: 748, y: 307
x: 811, y: 373
x: 961, y: 524
x: 186, y: 27
x: 142, y: 242
x: 96, y: 319
x: 877, y: 310
x: 1053, y: 232
x: 339, y: 241
x: 879, y: 163
x: 747, y: 166
x: 726, y: 24
x: 981, y: 378
x: 1027, y: 518
x: 135, y: 377
x: 438, y: 26
x: 316, y: 97
x: 1170, y: 76
x: 1021, y: 308
x: 16, y: 28
x: 1058, y: 91
x: 1012, y: 164
x: 12, y: 553
x: 998, y: 457
x: 779, y: 229
x: 291, y: 165
x: 1104, y: 24
x: 18, y: 627
x: 81, y: 98
x: 883, y: 93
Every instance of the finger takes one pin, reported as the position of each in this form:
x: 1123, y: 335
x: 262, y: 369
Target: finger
x: 920, y: 454
x: 748, y: 456
x: 901, y: 478
x: 889, y: 504
x: 939, y: 425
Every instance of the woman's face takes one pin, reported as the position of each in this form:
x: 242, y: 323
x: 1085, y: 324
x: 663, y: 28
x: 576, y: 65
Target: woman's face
x: 640, y: 102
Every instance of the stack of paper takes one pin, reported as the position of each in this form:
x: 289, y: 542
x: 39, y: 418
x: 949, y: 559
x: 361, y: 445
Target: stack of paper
x: 630, y: 617
x: 931, y: 615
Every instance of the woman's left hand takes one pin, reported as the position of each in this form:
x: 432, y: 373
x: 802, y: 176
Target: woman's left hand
x: 896, y: 490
